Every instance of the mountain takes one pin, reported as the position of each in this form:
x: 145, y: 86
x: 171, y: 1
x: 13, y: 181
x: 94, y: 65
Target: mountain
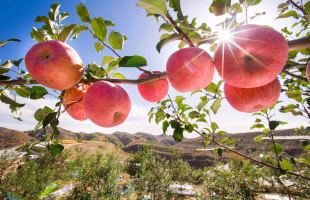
x: 64, y: 134
x: 10, y: 138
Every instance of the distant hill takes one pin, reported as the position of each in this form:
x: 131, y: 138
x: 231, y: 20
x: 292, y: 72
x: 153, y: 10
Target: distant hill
x: 11, y: 138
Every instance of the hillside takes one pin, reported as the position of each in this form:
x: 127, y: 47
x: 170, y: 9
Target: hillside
x: 10, y: 138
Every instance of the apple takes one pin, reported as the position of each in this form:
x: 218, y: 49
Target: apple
x: 253, y: 56
x: 106, y: 104
x: 153, y: 91
x: 54, y: 64
x: 190, y: 69
x: 72, y: 95
x: 253, y: 99
x: 308, y: 71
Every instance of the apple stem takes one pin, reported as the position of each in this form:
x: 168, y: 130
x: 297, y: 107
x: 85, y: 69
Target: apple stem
x: 149, y: 72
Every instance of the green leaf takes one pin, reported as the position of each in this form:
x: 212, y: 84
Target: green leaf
x: 266, y: 130
x: 166, y: 27
x: 6, y: 98
x: 170, y: 38
x: 22, y: 91
x: 274, y: 124
x: 5, y: 78
x: 214, y: 126
x: 54, y: 125
x: 107, y: 60
x: 258, y: 138
x: 99, y: 47
x: 133, y: 61
x: 182, y: 44
x: 99, y: 28
x: 303, y: 160
x: 62, y: 16
x: 37, y: 35
x: 165, y: 126
x: 219, y: 7
x: 40, y: 114
x: 48, y: 24
x: 253, y: 2
x: 151, y: 116
x: 77, y: 30
x: 257, y: 14
x: 220, y: 152
x: 83, y: 13
x: 64, y: 34
x: 306, y: 148
x: 2, y: 43
x: 56, y: 149
x: 294, y: 95
x: 282, y: 5
x: 178, y: 100
x: 5, y: 67
x: 293, y: 160
x: 153, y: 6
x: 108, y: 23
x: 207, y: 142
x: 279, y: 148
x: 286, y: 165
x: 118, y: 75
x: 258, y: 126
x: 113, y: 65
x: 176, y: 5
x: 15, y: 112
x: 212, y: 87
x: 201, y: 105
x: 37, y: 92
x: 163, y: 36
x: 54, y: 11
x: 178, y: 134
x: 193, y: 114
x: 49, y: 118
x: 216, y: 105
x: 116, y: 40
x: 291, y: 13
x: 196, y: 92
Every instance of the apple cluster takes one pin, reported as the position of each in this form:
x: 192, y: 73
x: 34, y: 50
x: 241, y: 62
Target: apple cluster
x: 249, y: 63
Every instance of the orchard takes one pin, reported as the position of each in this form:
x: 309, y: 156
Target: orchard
x: 250, y: 66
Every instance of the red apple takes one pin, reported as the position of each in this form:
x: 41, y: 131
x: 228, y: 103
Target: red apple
x: 253, y: 56
x: 72, y: 95
x: 190, y: 69
x: 308, y: 71
x: 153, y: 91
x: 54, y: 64
x: 106, y: 104
x: 253, y: 99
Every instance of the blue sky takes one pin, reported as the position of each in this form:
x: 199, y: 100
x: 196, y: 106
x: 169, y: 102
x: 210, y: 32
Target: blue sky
x: 17, y: 19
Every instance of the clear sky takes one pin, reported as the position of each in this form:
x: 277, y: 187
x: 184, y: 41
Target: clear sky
x: 17, y: 19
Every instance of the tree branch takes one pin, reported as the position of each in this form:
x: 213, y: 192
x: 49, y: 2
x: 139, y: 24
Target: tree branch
x: 295, y: 76
x: 190, y: 43
x: 298, y: 7
x: 301, y: 43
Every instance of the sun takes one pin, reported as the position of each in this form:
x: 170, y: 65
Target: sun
x: 224, y: 35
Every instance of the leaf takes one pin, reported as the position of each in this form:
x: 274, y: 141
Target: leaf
x: 258, y: 138
x: 178, y: 100
x: 220, y: 152
x: 6, y: 98
x: 48, y: 24
x: 282, y: 5
x: 5, y: 67
x: 37, y: 92
x: 56, y: 149
x: 216, y: 105
x: 62, y: 16
x: 153, y: 6
x: 54, y: 124
x: 118, y: 75
x: 303, y: 160
x: 258, y: 126
x: 77, y: 30
x: 116, y: 40
x: 54, y: 11
x: 279, y: 148
x: 253, y: 2
x: 22, y: 91
x: 151, y: 116
x: 133, y: 61
x: 99, y: 28
x: 165, y: 126
x: 293, y: 160
x: 178, y: 134
x: 5, y: 78
x: 163, y: 36
x: 35, y: 34
x: 286, y: 165
x: 266, y: 130
x: 176, y: 5
x: 214, y: 126
x: 107, y: 60
x: 193, y: 114
x: 196, y: 92
x: 294, y: 95
x: 108, y: 23
x: 2, y: 43
x: 64, y: 34
x: 189, y: 128
x: 207, y: 142
x: 219, y: 7
x: 49, y: 118
x: 166, y: 27
x: 170, y: 38
x: 15, y: 112
x: 291, y: 13
x: 306, y: 148
x: 40, y: 114
x: 273, y: 125
x: 257, y: 14
x: 182, y: 44
x: 201, y: 105
x: 212, y: 87
x: 83, y: 13
x: 99, y: 47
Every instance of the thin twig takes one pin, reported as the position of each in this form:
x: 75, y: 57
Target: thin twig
x: 297, y: 6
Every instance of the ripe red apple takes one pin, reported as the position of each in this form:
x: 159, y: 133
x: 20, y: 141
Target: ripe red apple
x: 253, y: 99
x: 253, y: 56
x: 308, y: 71
x: 106, y: 104
x: 153, y: 91
x: 54, y: 64
x: 190, y: 69
x: 72, y: 95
